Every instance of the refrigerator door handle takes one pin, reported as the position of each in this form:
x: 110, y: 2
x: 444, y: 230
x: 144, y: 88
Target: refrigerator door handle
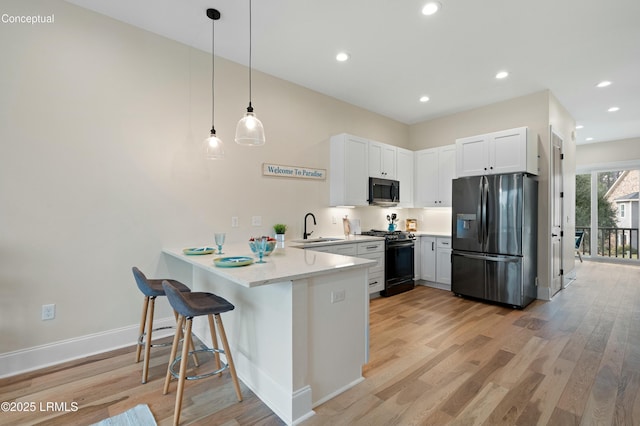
x: 484, y: 199
x: 489, y: 257
x: 479, y: 212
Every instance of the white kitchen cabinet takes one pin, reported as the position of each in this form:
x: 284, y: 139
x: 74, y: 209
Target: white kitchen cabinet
x: 404, y: 174
x: 506, y: 151
x: 374, y: 250
x: 434, y: 171
x: 443, y: 262
x: 428, y: 258
x: 435, y: 261
x: 349, y: 171
x: 382, y: 160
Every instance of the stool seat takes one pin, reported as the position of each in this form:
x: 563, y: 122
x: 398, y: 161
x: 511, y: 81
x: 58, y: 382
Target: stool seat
x: 188, y: 306
x: 151, y: 289
x: 195, y: 304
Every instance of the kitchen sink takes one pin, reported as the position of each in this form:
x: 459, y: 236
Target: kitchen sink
x: 317, y: 240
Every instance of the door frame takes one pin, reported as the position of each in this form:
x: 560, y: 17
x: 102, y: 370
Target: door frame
x: 556, y: 201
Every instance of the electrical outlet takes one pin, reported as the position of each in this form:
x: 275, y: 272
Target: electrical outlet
x: 234, y: 221
x: 337, y: 296
x: 256, y: 220
x: 48, y: 312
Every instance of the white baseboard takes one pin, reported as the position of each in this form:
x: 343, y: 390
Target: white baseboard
x: 35, y: 358
x: 544, y: 293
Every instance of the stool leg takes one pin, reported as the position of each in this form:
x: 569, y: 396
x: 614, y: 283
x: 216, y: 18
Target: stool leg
x: 214, y: 343
x: 227, y: 352
x: 147, y: 340
x: 174, y: 351
x: 192, y: 347
x: 143, y: 321
x: 183, y: 373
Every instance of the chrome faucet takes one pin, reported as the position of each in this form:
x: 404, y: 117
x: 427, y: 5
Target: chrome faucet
x: 306, y: 234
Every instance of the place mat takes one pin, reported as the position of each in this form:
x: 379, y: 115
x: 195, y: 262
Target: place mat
x: 140, y: 415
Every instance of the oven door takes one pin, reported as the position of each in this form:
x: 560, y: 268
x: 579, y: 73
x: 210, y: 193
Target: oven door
x: 399, y: 267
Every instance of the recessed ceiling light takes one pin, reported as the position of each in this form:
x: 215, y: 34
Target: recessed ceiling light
x: 579, y: 126
x: 613, y: 109
x: 588, y: 139
x: 431, y: 8
x: 502, y: 74
x: 604, y: 83
x: 424, y: 99
x: 342, y: 56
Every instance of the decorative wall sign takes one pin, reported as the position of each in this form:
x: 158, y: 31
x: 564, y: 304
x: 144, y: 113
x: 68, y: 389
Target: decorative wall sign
x: 295, y: 172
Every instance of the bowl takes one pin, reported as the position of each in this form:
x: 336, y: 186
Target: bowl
x: 271, y: 246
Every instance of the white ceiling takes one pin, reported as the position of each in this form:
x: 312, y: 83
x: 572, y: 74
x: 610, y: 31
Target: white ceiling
x: 398, y: 54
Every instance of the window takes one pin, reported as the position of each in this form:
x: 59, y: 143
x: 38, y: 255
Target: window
x: 621, y: 210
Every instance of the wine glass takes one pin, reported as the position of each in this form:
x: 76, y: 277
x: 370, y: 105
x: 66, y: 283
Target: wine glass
x: 219, y: 241
x: 261, y: 247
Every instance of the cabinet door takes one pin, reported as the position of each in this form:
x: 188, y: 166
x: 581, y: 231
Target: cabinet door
x: 404, y: 173
x: 382, y: 160
x: 443, y: 261
x: 428, y: 258
x: 375, y: 160
x: 472, y: 158
x: 426, y: 174
x: 349, y: 171
x: 508, y: 151
x: 389, y: 153
x: 447, y: 172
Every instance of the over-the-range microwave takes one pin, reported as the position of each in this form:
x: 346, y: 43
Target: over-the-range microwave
x: 384, y: 192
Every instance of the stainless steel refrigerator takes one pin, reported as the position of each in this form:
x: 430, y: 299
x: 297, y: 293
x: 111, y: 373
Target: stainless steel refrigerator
x: 494, y: 238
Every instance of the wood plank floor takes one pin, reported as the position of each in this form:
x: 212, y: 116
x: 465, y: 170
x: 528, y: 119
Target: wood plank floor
x: 435, y: 359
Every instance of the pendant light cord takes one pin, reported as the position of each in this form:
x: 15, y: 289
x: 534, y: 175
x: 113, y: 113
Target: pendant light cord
x: 250, y: 39
x: 213, y: 72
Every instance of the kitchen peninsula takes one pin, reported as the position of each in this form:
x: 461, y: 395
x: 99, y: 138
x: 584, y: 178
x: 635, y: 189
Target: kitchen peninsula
x: 299, y: 331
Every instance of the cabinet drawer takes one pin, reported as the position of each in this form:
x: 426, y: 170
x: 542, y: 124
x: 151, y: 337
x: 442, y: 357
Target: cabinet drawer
x: 370, y: 247
x: 443, y: 242
x: 379, y: 258
x: 376, y: 282
x: 343, y: 249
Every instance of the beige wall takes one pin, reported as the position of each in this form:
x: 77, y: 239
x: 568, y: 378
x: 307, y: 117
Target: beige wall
x: 100, y: 165
x: 620, y: 151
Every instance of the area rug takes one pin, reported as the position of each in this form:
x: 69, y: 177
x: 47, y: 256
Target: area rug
x: 140, y: 415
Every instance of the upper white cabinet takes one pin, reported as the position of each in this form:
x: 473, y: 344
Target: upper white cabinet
x: 434, y: 170
x: 507, y: 151
x: 348, y: 177
x: 382, y: 160
x: 404, y: 174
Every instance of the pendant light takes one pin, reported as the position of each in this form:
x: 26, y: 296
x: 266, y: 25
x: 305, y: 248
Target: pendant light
x: 213, y: 146
x: 249, y: 130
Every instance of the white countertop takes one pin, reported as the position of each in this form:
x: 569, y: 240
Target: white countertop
x: 284, y: 264
x: 432, y: 234
x: 339, y: 240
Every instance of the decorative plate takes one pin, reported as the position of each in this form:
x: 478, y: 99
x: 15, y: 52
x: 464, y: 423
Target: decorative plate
x: 232, y: 262
x: 198, y: 250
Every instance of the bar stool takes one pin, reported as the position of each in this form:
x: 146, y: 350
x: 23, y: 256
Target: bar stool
x: 151, y: 288
x: 189, y: 305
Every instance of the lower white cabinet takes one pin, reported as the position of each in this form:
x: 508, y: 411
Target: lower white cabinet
x: 374, y: 250
x: 428, y: 258
x: 443, y: 261
x: 369, y: 250
x: 435, y: 261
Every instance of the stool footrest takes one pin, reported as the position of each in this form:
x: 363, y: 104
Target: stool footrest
x: 156, y: 345
x: 200, y: 376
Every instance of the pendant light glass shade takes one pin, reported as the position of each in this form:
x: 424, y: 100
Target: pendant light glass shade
x: 213, y: 147
x: 249, y: 130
